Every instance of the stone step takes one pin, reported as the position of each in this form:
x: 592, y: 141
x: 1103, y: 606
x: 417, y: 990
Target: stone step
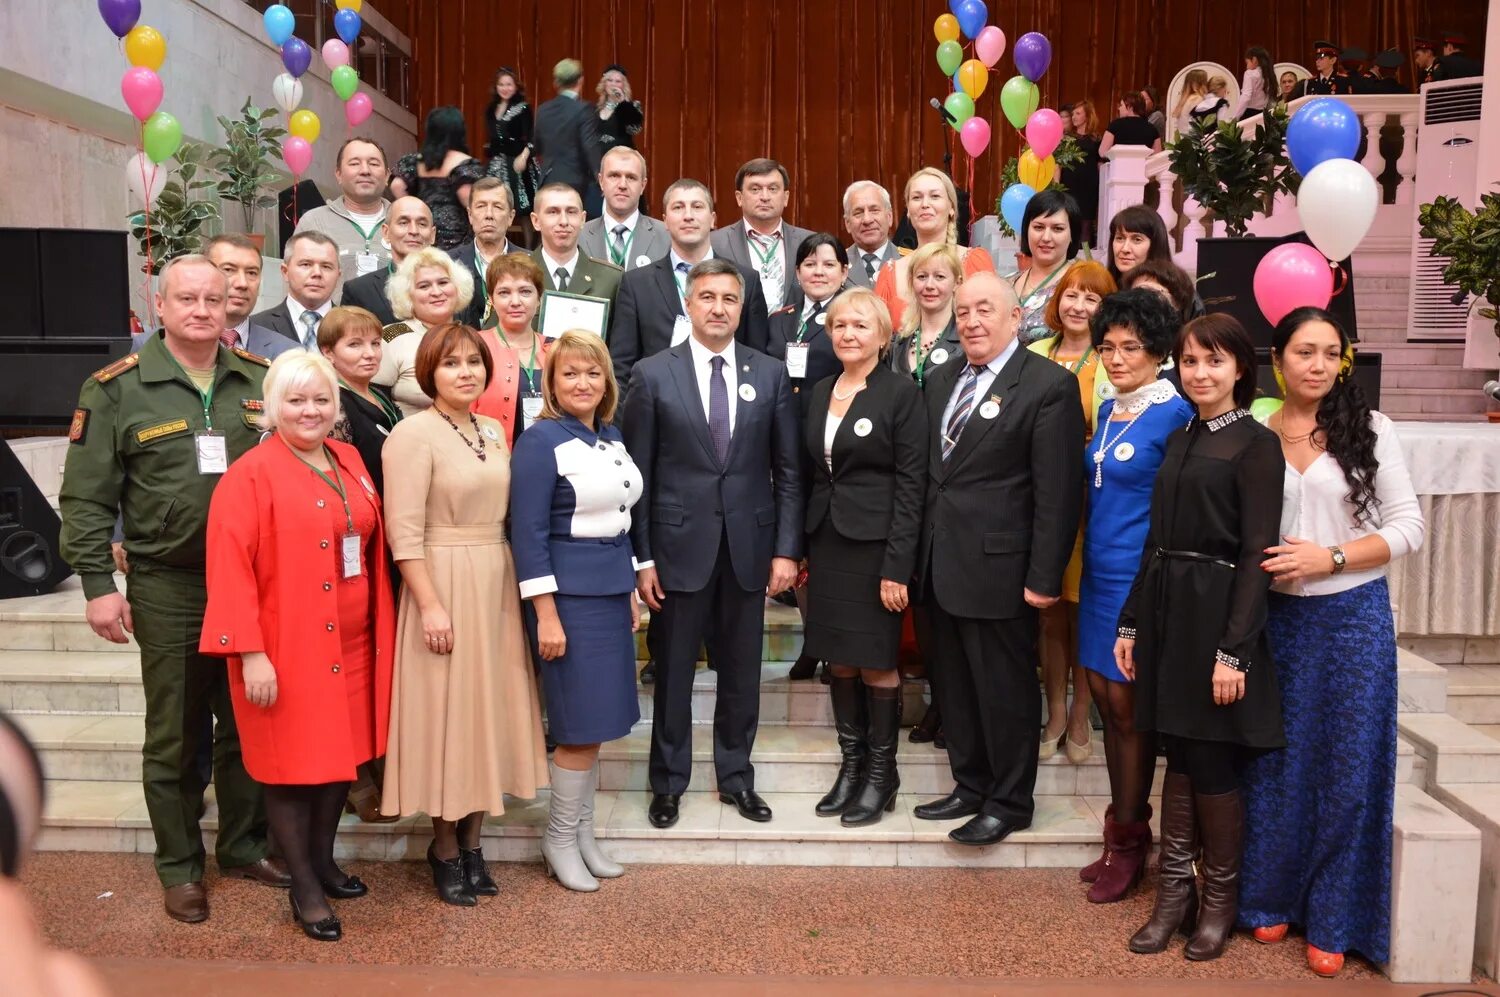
x: 1429, y: 377
x: 1421, y: 686
x: 1435, y: 869
x: 1474, y: 693
x: 1453, y: 650
x: 1479, y: 805
x: 1436, y: 416
x: 1428, y: 354
x: 1373, y: 299
x: 1365, y: 283
x: 1453, y: 751
x: 1396, y: 402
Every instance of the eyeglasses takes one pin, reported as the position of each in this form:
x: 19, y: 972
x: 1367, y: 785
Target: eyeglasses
x: 1129, y: 351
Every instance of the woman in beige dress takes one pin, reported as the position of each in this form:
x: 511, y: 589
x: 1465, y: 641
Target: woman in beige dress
x: 466, y: 725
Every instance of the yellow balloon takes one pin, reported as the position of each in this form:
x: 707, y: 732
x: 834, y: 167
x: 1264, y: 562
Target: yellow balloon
x: 1037, y: 174
x: 353, y: 5
x: 973, y: 77
x: 305, y: 125
x: 145, y: 47
x: 946, y: 28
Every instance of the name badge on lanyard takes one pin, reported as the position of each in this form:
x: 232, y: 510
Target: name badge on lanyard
x: 531, y: 409
x: 682, y: 328
x: 366, y: 263
x: 796, y: 360
x: 350, y: 565
x: 213, y: 452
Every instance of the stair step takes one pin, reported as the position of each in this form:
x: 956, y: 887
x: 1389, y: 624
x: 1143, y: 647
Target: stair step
x: 1454, y: 751
x: 1456, y: 402
x: 1429, y: 354
x: 1430, y: 377
x: 1474, y: 693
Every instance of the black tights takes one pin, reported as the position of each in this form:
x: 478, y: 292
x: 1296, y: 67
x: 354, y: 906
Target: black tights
x: 448, y: 836
x: 1129, y: 754
x: 304, y: 821
x: 1211, y: 766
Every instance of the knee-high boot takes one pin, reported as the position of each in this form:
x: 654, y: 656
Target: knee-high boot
x: 600, y: 865
x: 1222, y: 820
x: 849, y: 722
x: 560, y: 853
x: 878, y: 794
x: 1177, y: 885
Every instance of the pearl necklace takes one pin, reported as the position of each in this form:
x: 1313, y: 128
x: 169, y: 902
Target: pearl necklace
x: 845, y: 397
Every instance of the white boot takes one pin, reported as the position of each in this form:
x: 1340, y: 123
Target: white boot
x: 601, y: 865
x: 560, y: 856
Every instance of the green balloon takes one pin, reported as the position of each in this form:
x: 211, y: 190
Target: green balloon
x: 1018, y: 99
x: 950, y: 56
x: 961, y: 106
x: 345, y: 82
x: 1263, y: 408
x: 163, y: 136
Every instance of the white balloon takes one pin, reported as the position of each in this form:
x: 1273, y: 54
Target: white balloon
x: 286, y: 89
x: 144, y: 178
x: 1337, y: 202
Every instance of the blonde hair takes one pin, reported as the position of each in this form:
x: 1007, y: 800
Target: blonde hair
x: 588, y: 345
x: 865, y: 300
x: 1194, y: 84
x: 947, y: 253
x: 948, y: 188
x: 292, y: 370
x: 398, y: 287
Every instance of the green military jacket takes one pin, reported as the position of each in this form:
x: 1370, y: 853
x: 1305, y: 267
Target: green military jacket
x: 133, y: 453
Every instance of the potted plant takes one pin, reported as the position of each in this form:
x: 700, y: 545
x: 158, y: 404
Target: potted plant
x: 1232, y: 174
x: 1471, y: 242
x: 178, y: 214
x: 244, y: 162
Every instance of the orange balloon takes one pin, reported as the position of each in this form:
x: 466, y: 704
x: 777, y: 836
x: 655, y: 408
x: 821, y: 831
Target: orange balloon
x: 945, y: 28
x: 1035, y: 173
x: 145, y: 47
x: 973, y: 77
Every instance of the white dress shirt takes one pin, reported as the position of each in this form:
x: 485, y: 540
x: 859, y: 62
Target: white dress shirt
x: 679, y: 277
x: 772, y: 293
x: 570, y: 265
x: 986, y: 378
x: 703, y: 369
x: 295, y: 310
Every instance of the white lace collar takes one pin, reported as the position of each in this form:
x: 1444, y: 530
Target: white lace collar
x: 1142, y: 398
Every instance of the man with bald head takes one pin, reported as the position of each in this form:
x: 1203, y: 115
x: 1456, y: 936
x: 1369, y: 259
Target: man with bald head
x: 408, y: 227
x: 1004, y: 498
x: 152, y: 434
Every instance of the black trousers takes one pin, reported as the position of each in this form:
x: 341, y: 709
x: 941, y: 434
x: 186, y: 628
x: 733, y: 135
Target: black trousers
x: 736, y: 619
x: 988, y: 691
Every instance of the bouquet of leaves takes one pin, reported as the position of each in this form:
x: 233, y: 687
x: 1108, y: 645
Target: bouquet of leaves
x: 1232, y: 174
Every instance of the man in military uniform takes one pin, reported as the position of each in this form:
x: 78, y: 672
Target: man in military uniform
x: 1454, y: 64
x: 151, y: 436
x: 1356, y: 63
x: 1386, y: 64
x: 1329, y: 78
x: 1424, y: 59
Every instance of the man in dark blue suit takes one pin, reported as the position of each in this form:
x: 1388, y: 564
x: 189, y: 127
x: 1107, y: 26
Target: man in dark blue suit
x: 712, y: 426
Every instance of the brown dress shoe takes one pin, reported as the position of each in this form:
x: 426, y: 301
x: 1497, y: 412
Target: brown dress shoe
x: 267, y: 872
x: 187, y: 902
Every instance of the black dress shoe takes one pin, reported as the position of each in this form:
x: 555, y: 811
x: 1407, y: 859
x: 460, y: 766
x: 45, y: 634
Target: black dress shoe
x: 986, y: 830
x: 948, y: 808
x: 475, y: 873
x: 349, y: 889
x: 749, y: 804
x: 663, y: 811
x: 928, y: 728
x: 327, y: 930
x: 648, y: 674
x: 448, y: 879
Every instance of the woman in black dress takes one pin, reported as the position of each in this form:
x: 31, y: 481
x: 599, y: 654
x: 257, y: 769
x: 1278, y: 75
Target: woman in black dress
x: 1131, y: 127
x: 620, y: 114
x: 1191, y: 634
x: 441, y: 175
x: 509, y: 120
x: 866, y: 433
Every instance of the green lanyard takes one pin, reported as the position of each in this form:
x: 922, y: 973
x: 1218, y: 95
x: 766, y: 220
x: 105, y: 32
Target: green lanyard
x: 367, y: 236
x: 919, y: 370
x: 765, y: 258
x: 528, y: 368
x: 480, y: 270
x: 618, y: 259
x: 207, y: 397
x: 391, y: 411
x: 336, y: 483
x: 1026, y: 302
x: 1075, y: 368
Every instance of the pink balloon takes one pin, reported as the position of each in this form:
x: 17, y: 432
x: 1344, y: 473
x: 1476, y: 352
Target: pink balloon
x: 1044, y: 131
x: 297, y: 152
x: 975, y: 135
x: 1290, y: 276
x: 357, y: 109
x: 142, y: 90
x: 335, y: 53
x: 989, y: 46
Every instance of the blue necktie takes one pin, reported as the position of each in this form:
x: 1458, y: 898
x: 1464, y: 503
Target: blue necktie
x: 961, y: 410
x: 718, y: 410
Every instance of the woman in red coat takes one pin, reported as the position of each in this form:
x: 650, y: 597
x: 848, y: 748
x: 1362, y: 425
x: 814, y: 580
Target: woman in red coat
x: 300, y: 603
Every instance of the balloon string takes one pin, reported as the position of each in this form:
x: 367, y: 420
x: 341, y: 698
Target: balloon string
x: 146, y: 220
x: 1342, y: 278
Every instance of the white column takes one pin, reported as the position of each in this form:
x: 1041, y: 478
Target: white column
x: 1191, y: 233
x: 1166, y: 187
x: 1373, y: 161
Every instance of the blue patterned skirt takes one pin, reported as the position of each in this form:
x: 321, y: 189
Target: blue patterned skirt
x: 1318, y: 814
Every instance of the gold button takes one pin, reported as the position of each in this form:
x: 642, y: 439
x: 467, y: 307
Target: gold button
x: 330, y: 627
x: 335, y: 669
x: 323, y: 544
x: 321, y: 503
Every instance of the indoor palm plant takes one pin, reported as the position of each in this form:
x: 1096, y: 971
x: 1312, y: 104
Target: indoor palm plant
x: 244, y: 161
x: 178, y: 214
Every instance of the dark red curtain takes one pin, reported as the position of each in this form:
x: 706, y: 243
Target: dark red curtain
x: 838, y: 89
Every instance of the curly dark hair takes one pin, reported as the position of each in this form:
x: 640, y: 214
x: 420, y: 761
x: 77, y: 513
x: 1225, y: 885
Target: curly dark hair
x: 1343, y: 416
x: 1170, y: 276
x: 1143, y: 312
x: 519, y: 98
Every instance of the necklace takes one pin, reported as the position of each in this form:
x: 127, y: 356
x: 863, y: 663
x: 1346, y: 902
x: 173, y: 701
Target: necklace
x: 1293, y: 440
x: 1218, y: 422
x: 1106, y: 443
x: 477, y: 444
x: 843, y: 397
x: 1070, y: 366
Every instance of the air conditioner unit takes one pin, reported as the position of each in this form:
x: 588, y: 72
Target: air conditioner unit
x: 1447, y: 165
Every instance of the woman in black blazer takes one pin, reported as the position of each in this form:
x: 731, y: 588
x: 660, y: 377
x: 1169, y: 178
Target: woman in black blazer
x: 866, y: 433
x: 351, y: 340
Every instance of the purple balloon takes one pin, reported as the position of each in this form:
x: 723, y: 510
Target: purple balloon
x: 1032, y: 53
x: 120, y: 15
x: 347, y: 23
x: 972, y: 16
x: 296, y: 56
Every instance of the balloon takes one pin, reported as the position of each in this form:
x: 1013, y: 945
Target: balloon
x: 345, y: 81
x: 286, y: 90
x: 335, y: 54
x: 975, y: 136
x: 144, y: 178
x: 1035, y: 171
x: 945, y: 28
x: 971, y: 17
x: 1013, y: 204
x: 145, y: 46
x: 296, y: 56
x: 353, y: 5
x: 973, y: 78
x: 347, y: 24
x: 1018, y: 98
x: 990, y: 45
x: 142, y: 91
x: 1337, y: 202
x: 953, y: 6
x: 961, y: 106
x: 1032, y: 53
x: 162, y: 137
x: 357, y: 109
x: 1290, y: 276
x: 1044, y: 131
x: 1263, y: 408
x: 1322, y: 129
x: 120, y: 15
x: 305, y: 125
x: 279, y: 23
x: 297, y: 153
x: 949, y: 55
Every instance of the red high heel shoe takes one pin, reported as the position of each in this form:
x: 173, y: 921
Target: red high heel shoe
x: 1325, y: 964
x: 1270, y: 935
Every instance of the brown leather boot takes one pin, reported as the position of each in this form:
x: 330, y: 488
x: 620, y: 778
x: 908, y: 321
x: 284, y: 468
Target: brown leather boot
x: 1125, y: 849
x: 1176, y: 885
x: 1222, y: 820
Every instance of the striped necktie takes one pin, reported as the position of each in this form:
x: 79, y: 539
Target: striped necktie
x: 961, y: 411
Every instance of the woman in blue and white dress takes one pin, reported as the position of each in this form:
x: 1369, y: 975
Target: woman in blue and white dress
x: 573, y: 484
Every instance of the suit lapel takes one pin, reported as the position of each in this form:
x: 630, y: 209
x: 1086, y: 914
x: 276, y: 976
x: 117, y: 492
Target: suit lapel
x: 666, y: 282
x: 692, y: 399
x: 999, y: 392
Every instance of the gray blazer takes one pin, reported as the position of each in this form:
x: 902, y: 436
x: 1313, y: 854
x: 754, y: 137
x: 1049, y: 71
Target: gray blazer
x: 649, y: 244
x: 857, y: 263
x: 259, y: 340
x: 730, y: 243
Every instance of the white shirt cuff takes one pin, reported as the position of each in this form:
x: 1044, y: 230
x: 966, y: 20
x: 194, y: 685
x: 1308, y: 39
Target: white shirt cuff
x: 642, y: 565
x: 533, y: 587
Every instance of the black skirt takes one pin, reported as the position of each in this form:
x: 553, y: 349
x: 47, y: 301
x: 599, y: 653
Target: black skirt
x: 846, y: 622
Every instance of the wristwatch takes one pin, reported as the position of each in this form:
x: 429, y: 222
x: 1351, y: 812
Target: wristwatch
x: 1339, y: 561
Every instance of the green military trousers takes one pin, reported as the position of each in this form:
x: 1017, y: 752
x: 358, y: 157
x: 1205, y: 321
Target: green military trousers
x: 186, y: 690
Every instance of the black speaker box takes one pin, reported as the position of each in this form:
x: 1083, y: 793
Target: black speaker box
x: 1226, y: 269
x: 29, y: 560
x: 64, y: 284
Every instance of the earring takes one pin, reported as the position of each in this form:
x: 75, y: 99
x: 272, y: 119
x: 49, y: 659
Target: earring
x: 1346, y: 362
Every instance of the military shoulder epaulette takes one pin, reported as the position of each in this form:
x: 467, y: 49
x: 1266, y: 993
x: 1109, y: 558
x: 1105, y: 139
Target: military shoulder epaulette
x: 393, y: 330
x: 607, y: 263
x: 252, y: 357
x: 114, y: 370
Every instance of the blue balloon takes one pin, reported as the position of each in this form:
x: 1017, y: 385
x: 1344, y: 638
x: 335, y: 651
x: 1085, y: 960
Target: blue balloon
x: 1322, y: 129
x: 1013, y: 204
x: 347, y: 23
x: 279, y: 24
x: 972, y: 16
x: 953, y: 6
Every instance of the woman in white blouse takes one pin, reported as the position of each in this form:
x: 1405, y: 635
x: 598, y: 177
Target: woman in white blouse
x: 1255, y: 86
x: 427, y: 290
x: 1318, y: 814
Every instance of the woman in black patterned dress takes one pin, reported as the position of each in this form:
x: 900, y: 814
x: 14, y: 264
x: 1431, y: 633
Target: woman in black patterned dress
x: 441, y: 175
x: 508, y: 120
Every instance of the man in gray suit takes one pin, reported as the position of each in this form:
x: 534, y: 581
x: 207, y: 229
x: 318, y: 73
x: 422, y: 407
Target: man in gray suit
x: 761, y: 240
x: 623, y: 235
x: 240, y: 263
x: 868, y: 218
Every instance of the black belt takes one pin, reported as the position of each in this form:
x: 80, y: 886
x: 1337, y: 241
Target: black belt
x: 1192, y: 555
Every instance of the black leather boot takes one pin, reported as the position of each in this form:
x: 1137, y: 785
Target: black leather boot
x: 878, y: 794
x: 849, y: 721
x: 1221, y: 821
x: 476, y: 875
x: 448, y: 877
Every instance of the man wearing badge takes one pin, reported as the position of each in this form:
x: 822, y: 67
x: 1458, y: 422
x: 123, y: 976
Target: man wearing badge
x: 558, y: 219
x: 623, y: 235
x: 152, y: 434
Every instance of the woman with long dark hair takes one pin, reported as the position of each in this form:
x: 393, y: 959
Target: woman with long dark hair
x: 509, y: 120
x: 1258, y: 83
x: 1050, y: 236
x: 1318, y: 821
x: 1137, y: 234
x: 441, y: 174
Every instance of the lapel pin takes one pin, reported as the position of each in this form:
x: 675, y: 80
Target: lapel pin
x: 863, y: 427
x: 939, y: 356
x: 747, y: 391
x: 643, y: 261
x: 989, y: 409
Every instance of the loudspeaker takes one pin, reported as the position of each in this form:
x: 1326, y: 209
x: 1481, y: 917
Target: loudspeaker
x: 64, y: 284
x: 291, y: 204
x: 1366, y: 374
x: 29, y: 560
x: 1226, y: 283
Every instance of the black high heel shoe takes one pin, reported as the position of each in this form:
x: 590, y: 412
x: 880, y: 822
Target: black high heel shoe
x: 349, y: 889
x: 448, y: 877
x: 327, y: 930
x: 803, y: 669
x: 476, y: 875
